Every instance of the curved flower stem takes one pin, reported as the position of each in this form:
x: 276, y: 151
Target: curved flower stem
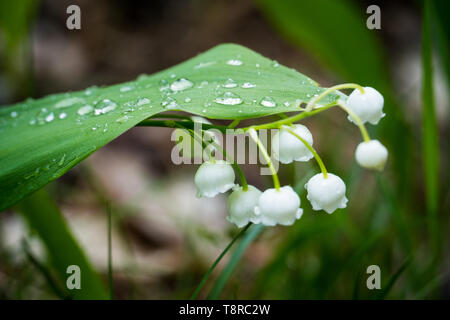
x: 290, y: 120
x: 210, y: 270
x: 234, y: 123
x: 238, y: 169
x: 316, y: 99
x: 358, y: 121
x: 310, y: 148
x: 254, y: 136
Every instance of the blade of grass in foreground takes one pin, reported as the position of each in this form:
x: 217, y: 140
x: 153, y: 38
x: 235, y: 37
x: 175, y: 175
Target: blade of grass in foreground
x: 430, y: 133
x: 44, y: 217
x: 216, y: 262
x: 254, y: 231
x: 383, y: 294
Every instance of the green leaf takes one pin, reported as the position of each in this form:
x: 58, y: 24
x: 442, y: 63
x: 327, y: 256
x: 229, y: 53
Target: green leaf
x: 335, y: 32
x: 42, y: 139
x: 430, y: 132
x: 387, y: 288
x: 219, y: 284
x: 45, y: 218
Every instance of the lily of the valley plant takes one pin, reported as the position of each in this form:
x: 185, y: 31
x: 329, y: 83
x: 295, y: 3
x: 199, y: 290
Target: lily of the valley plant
x: 294, y: 142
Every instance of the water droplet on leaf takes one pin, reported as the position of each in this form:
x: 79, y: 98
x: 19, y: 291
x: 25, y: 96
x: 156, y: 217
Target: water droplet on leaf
x: 229, y: 98
x: 268, y: 102
x: 234, y: 62
x: 180, y: 85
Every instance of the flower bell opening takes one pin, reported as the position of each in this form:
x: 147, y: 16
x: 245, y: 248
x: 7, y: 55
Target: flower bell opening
x: 214, y: 177
x: 326, y: 194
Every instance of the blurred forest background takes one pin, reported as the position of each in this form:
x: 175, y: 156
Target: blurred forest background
x: 164, y: 239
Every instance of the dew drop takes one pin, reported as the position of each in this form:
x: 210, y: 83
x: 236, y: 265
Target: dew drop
x: 126, y: 88
x: 90, y: 90
x: 204, y: 64
x: 169, y: 103
x: 104, y: 106
x: 85, y: 110
x: 228, y: 98
x: 187, y: 99
x: 230, y: 83
x: 67, y: 102
x: 180, y: 85
x: 50, y: 117
x: 268, y: 102
x: 247, y: 85
x: 122, y: 119
x: 14, y: 114
x: 202, y: 84
x: 234, y: 62
x: 143, y: 101
x: 286, y: 104
x: 275, y: 64
x: 62, y: 115
x: 61, y: 161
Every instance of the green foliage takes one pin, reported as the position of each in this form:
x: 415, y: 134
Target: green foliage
x: 44, y: 217
x: 430, y: 129
x: 42, y: 139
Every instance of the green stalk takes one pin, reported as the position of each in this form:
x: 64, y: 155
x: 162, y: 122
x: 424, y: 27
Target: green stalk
x: 316, y: 99
x: 358, y: 121
x: 430, y: 133
x: 255, y: 230
x: 310, y: 148
x: 238, y: 169
x: 216, y: 262
x: 254, y: 136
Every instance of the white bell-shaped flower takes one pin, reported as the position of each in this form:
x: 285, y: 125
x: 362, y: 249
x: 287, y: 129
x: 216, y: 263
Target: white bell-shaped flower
x: 288, y: 148
x: 326, y: 193
x: 368, y: 106
x: 214, y: 177
x: 241, y: 206
x: 279, y: 207
x: 371, y: 155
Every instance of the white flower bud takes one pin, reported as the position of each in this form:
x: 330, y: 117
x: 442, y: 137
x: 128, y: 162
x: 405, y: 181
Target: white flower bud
x: 371, y: 155
x: 214, y: 177
x: 326, y: 193
x: 241, y: 206
x: 287, y: 148
x: 368, y: 106
x: 279, y: 207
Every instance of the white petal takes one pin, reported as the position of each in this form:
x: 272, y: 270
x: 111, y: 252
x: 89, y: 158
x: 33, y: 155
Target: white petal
x: 288, y: 148
x: 326, y: 194
x: 368, y: 106
x: 279, y: 207
x: 371, y: 155
x: 241, y: 206
x: 213, y: 178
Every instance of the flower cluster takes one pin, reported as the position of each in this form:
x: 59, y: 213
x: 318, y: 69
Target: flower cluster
x: 293, y: 142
